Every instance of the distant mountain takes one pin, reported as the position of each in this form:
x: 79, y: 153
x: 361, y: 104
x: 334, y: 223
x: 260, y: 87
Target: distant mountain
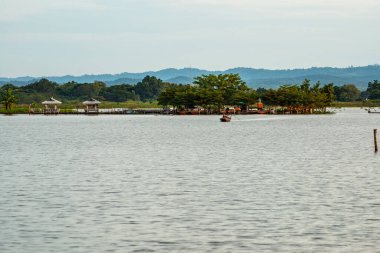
x: 360, y: 82
x: 359, y: 76
x: 181, y: 80
x: 123, y: 81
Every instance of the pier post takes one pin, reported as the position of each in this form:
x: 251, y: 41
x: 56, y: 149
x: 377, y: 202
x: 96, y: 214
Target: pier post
x: 375, y: 139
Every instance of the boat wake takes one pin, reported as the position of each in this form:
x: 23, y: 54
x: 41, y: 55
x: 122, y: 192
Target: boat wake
x: 259, y: 119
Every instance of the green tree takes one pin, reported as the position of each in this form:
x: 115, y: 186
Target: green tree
x: 179, y: 96
x: 328, y: 90
x: 347, y: 93
x: 373, y: 89
x: 149, y: 88
x: 220, y: 89
x: 8, y: 98
x: 41, y: 86
x: 88, y: 89
x: 186, y: 96
x: 67, y: 90
x: 244, y: 98
x: 210, y: 98
x: 305, y: 98
x: 119, y: 93
x: 269, y: 97
x: 289, y: 96
x: 167, y: 96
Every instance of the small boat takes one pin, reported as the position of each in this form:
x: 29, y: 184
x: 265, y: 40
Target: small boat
x: 225, y: 118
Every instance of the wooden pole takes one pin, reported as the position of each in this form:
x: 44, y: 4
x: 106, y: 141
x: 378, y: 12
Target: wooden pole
x: 375, y: 139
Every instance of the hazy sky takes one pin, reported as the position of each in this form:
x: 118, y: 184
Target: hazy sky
x: 57, y: 37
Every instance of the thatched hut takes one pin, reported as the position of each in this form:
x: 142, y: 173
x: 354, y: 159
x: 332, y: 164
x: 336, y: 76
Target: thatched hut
x: 92, y: 106
x: 51, y: 106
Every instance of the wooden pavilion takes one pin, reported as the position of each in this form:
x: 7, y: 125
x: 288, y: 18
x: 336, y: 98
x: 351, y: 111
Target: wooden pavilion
x: 51, y: 106
x: 92, y: 106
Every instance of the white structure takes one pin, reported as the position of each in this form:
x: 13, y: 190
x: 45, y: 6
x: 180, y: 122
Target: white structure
x: 51, y: 106
x: 92, y: 106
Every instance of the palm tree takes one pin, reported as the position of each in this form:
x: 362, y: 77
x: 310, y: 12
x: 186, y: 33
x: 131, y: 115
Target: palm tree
x: 8, y: 98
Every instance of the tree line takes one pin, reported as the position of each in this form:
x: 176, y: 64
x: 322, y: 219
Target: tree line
x: 207, y: 91
x: 146, y: 90
x: 214, y: 92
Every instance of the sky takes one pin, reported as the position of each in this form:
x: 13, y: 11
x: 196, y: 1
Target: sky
x: 61, y: 37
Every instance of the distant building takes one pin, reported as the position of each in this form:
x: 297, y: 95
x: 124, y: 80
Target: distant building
x: 51, y: 106
x: 92, y: 106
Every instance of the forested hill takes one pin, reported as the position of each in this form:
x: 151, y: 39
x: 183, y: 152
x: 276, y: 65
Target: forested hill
x: 360, y: 76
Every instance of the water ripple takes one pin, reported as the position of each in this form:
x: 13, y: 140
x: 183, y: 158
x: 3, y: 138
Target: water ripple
x: 189, y: 184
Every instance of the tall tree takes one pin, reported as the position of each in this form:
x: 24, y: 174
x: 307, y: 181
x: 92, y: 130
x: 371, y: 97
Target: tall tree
x: 149, y: 88
x: 223, y: 88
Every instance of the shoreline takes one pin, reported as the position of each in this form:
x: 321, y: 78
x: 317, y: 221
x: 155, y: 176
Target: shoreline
x: 156, y: 113
x: 165, y: 111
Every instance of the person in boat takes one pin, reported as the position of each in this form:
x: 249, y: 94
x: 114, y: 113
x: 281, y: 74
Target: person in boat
x: 225, y: 114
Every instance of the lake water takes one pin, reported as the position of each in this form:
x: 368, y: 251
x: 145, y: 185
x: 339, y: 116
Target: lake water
x: 122, y: 183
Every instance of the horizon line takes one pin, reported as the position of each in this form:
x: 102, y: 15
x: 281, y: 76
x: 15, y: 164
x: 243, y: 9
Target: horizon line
x: 183, y: 68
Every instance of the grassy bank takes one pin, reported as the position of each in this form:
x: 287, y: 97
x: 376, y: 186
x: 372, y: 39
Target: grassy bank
x: 16, y: 109
x: 67, y: 106
x: 108, y: 105
x: 368, y: 103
